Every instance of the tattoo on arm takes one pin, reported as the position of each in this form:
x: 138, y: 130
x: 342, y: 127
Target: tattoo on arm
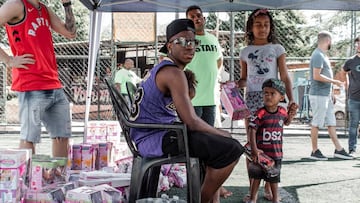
x: 69, y: 20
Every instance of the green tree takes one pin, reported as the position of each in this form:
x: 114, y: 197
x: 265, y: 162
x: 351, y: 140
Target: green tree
x: 343, y: 25
x: 288, y: 29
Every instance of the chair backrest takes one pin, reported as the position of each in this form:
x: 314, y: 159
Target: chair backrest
x: 131, y: 89
x: 139, y: 186
x: 123, y: 113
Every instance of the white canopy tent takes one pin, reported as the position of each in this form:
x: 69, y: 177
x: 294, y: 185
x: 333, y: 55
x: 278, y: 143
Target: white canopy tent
x: 98, y: 6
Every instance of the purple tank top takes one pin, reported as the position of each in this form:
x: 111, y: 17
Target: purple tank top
x: 151, y: 106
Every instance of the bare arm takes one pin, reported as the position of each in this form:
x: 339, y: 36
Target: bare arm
x: 345, y: 75
x: 284, y: 76
x: 67, y: 29
x: 179, y: 92
x: 322, y: 78
x: 243, y: 74
x: 220, y: 62
x: 254, y: 150
x: 12, y: 11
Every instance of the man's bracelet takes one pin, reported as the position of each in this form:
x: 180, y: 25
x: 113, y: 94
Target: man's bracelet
x: 66, y: 4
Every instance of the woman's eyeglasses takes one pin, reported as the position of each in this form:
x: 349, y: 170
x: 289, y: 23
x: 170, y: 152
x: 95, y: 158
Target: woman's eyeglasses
x: 185, y: 42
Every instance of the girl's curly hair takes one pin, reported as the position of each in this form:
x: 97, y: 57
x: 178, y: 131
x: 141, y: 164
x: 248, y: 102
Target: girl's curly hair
x: 191, y: 79
x: 249, y: 35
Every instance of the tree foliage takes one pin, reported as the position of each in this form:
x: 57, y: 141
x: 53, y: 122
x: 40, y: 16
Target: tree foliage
x: 287, y: 23
x: 344, y: 27
x: 297, y: 30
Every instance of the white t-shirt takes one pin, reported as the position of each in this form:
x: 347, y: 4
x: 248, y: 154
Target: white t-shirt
x: 261, y: 64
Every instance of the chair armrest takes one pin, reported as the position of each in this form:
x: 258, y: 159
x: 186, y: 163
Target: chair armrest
x: 158, y: 126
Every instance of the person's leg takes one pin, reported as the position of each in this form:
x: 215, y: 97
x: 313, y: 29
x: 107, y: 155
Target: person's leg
x: 268, y: 191
x: 275, y: 189
x: 198, y: 110
x: 224, y: 192
x: 246, y: 198
x: 220, y: 154
x: 319, y: 106
x: 354, y: 118
x: 274, y: 181
x: 214, y: 178
x: 254, y: 190
x: 254, y: 101
x: 60, y: 147
x: 330, y: 121
x: 57, y: 120
x: 208, y: 114
x: 29, y: 116
x: 314, y: 137
x: 216, y: 197
x: 27, y: 145
x: 334, y: 137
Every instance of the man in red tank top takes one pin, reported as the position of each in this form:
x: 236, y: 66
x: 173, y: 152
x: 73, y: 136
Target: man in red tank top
x: 34, y: 70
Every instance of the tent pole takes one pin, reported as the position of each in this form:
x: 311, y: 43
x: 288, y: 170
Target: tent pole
x: 94, y: 37
x: 232, y: 47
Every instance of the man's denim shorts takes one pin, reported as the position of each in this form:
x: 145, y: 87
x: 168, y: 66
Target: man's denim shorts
x: 49, y: 107
x: 322, y: 108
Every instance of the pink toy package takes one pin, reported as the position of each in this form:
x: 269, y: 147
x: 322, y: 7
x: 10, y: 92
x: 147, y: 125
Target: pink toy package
x: 104, y: 155
x: 233, y: 102
x: 88, y: 156
x: 113, y: 131
x: 76, y: 157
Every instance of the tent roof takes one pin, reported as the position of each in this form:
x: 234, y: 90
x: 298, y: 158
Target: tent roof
x: 217, y: 5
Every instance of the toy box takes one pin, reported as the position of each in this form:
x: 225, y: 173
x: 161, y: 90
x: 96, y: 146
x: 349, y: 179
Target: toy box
x: 102, y: 131
x: 13, y: 158
x: 114, y: 182
x: 88, y: 156
x: 233, y: 102
x: 76, y: 157
x: 50, y: 194
x: 104, y: 155
x: 43, y: 173
x: 110, y: 194
x: 14, y: 165
x: 83, y: 195
x: 91, y: 175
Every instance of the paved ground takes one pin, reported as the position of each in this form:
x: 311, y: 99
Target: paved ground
x: 302, y: 180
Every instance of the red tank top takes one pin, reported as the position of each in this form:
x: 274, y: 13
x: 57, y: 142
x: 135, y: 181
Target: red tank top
x: 33, y: 36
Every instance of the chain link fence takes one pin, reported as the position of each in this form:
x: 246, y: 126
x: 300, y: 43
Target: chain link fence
x: 296, y: 32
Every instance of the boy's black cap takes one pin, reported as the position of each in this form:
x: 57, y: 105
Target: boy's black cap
x: 179, y: 25
x: 276, y: 84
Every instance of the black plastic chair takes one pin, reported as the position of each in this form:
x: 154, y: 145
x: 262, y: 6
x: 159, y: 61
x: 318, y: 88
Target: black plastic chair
x: 145, y: 171
x: 131, y: 89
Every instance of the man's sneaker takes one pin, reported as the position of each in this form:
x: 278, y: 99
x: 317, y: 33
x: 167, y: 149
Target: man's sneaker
x: 342, y: 154
x: 317, y: 155
x: 352, y: 153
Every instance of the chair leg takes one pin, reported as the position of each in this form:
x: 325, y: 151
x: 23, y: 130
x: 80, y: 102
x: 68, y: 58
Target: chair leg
x: 135, y: 180
x: 193, y: 181
x: 150, y: 182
